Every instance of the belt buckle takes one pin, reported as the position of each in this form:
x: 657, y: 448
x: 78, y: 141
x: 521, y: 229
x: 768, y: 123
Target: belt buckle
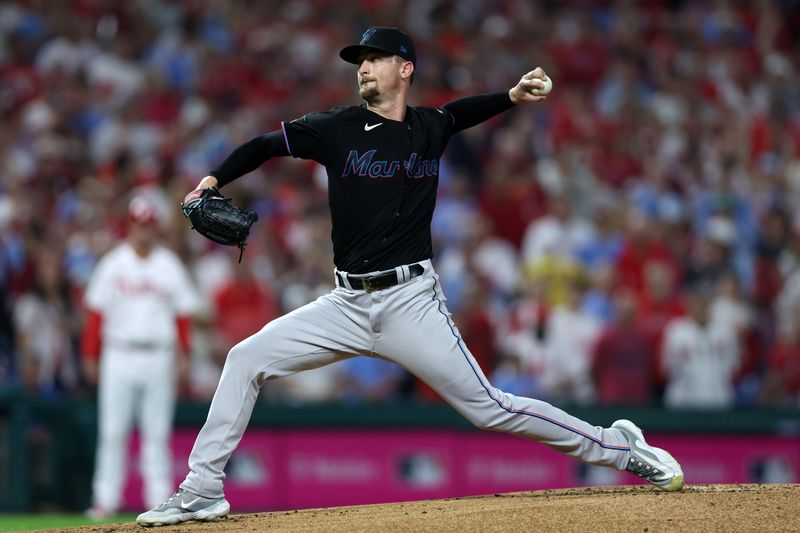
x: 367, y: 284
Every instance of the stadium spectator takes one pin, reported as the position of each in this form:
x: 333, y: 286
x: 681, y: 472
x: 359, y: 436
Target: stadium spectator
x: 711, y: 258
x: 787, y: 302
x: 482, y: 257
x: 640, y: 248
x: 495, y: 260
x: 659, y: 301
x: 241, y: 307
x: 46, y: 324
x: 781, y: 386
x: 604, y: 247
x: 699, y: 358
x: 510, y: 197
x: 571, y: 336
x: 731, y: 312
x: 597, y: 301
x: 558, y: 234
x: 624, y: 359
x: 773, y: 244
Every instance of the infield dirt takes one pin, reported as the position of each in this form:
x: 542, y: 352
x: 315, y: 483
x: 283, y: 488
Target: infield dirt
x: 701, y: 508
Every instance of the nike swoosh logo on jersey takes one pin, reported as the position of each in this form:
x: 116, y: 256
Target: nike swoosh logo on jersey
x: 367, y: 127
x: 186, y: 505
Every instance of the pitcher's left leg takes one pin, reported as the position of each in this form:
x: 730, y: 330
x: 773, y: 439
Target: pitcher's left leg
x: 435, y: 353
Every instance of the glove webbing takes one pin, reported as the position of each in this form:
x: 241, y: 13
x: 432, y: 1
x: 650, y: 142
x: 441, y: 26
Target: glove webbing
x: 189, y: 210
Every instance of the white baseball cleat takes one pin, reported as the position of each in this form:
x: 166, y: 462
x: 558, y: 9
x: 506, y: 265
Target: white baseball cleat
x: 653, y: 464
x: 184, y: 506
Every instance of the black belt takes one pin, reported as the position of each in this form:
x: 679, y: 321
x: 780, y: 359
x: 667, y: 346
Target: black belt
x: 380, y: 281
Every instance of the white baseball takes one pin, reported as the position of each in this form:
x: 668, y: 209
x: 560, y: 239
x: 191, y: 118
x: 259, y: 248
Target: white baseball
x: 548, y: 86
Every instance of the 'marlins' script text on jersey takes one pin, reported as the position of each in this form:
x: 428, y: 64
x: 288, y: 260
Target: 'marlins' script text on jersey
x: 382, y: 180
x: 364, y: 165
x: 382, y: 173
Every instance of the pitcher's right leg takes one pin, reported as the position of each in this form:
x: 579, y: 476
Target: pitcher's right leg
x: 322, y: 332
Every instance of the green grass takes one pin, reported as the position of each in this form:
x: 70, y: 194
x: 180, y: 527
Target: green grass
x: 27, y: 522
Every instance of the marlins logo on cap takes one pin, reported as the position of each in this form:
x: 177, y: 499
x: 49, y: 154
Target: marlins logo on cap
x: 381, y: 39
x: 367, y: 34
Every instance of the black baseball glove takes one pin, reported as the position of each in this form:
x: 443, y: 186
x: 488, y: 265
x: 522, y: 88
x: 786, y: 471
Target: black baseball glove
x: 214, y: 217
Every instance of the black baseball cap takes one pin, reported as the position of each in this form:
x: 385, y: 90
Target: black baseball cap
x: 381, y: 39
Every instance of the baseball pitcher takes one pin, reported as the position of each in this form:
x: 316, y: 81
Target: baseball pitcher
x: 382, y: 161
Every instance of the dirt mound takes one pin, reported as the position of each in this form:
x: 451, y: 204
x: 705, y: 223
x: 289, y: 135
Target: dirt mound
x: 609, y: 509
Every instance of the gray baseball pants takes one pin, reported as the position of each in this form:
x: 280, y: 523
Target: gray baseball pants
x: 408, y: 324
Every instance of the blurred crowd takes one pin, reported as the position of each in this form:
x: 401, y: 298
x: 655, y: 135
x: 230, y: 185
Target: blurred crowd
x: 633, y: 240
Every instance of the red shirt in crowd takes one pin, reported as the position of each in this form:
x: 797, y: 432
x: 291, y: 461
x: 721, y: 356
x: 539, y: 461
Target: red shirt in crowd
x: 242, y: 308
x: 785, y: 359
x: 654, y: 314
x: 635, y: 256
x: 624, y: 366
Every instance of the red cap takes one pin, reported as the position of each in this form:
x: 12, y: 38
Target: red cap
x: 142, y: 211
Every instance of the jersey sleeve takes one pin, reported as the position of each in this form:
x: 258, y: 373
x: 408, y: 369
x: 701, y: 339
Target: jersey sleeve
x: 310, y: 137
x: 186, y: 298
x: 249, y: 156
x: 98, y: 290
x: 448, y: 120
x: 440, y: 123
x: 472, y: 110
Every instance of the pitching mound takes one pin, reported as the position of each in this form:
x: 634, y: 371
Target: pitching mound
x: 608, y: 509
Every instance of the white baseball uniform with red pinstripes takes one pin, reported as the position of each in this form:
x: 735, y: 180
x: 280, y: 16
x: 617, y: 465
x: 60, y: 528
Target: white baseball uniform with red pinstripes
x: 139, y: 299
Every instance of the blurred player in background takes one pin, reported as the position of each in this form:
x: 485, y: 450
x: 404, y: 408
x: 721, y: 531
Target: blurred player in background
x: 139, y: 301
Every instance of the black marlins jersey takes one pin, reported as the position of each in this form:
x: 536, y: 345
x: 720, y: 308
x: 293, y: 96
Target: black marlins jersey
x: 382, y: 180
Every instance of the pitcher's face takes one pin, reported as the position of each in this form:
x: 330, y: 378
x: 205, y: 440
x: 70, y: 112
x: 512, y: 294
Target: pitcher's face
x: 379, y: 75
